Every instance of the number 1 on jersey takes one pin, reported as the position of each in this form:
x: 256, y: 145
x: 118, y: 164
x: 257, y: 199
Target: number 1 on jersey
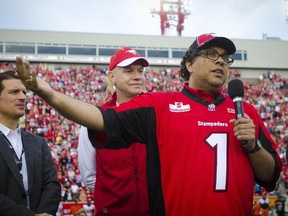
x: 218, y: 142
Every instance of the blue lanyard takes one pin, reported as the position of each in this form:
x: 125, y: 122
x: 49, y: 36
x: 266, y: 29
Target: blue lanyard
x: 17, y: 160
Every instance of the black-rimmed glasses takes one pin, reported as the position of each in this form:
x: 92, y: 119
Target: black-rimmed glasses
x: 213, y: 55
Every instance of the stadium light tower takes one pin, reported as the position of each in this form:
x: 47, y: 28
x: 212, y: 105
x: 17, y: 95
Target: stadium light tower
x: 172, y: 14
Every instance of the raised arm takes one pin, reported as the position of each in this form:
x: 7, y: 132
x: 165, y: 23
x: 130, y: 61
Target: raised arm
x: 75, y: 110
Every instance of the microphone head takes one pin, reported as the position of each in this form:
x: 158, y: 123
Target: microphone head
x: 235, y: 88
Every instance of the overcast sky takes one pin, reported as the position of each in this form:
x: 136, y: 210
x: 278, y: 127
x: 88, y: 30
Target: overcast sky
x: 241, y: 19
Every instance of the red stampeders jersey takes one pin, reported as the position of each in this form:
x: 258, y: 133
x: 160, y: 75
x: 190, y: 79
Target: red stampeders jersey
x: 195, y: 164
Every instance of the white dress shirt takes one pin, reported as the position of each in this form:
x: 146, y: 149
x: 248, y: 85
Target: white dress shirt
x: 86, y: 159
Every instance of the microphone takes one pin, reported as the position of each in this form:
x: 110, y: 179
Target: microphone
x: 236, y: 92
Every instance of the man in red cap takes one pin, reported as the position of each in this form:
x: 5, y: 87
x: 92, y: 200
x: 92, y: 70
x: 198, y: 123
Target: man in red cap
x: 120, y: 175
x: 198, y: 152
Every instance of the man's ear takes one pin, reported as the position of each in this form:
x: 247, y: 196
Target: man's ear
x: 111, y: 76
x: 189, y: 66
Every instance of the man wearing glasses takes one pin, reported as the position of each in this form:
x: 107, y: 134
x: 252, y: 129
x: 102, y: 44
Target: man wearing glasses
x: 194, y: 144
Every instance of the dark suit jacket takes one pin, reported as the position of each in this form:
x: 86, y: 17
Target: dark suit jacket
x: 44, y: 189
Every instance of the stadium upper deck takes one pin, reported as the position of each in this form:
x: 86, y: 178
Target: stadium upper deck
x: 253, y: 57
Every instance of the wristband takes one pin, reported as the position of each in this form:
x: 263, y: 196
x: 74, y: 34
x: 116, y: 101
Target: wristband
x: 257, y: 147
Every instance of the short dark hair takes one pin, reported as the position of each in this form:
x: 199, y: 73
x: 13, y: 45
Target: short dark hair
x: 189, y: 56
x: 7, y: 75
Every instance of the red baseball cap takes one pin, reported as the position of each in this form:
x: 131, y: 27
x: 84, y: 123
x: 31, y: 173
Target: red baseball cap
x: 210, y: 40
x: 126, y: 56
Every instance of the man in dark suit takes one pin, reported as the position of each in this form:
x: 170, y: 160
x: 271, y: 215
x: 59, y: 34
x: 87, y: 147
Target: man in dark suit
x: 28, y: 179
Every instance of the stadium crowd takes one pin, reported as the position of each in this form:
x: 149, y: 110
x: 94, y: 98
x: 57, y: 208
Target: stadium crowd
x: 268, y: 93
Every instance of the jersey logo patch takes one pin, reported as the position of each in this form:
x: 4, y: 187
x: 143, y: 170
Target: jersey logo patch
x: 211, y: 107
x: 179, y: 107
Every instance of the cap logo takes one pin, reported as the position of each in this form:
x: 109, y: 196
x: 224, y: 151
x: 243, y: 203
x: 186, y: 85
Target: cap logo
x: 202, y: 39
x: 132, y: 52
